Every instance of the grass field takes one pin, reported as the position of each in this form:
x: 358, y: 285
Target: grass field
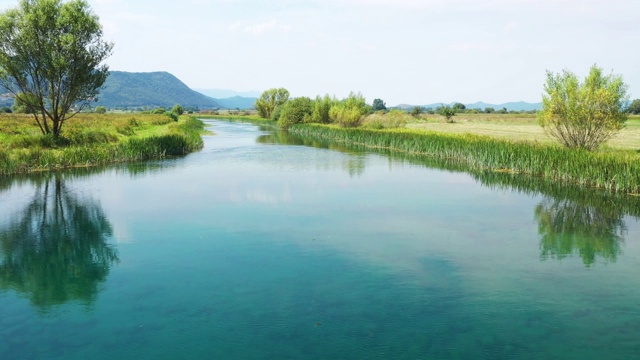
x: 517, y: 127
x: 93, y: 139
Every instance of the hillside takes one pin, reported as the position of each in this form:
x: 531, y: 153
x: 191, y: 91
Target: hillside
x: 154, y: 89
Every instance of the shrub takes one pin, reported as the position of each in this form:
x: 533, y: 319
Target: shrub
x: 583, y: 115
x: 294, y: 111
x: 349, y: 112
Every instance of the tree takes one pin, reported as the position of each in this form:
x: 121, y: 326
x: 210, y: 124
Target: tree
x: 294, y: 111
x: 379, y: 105
x: 101, y: 110
x: 583, y: 115
x: 634, y: 108
x: 269, y: 100
x: 459, y: 107
x: 53, y: 51
x: 447, y: 111
x: 321, y: 108
x: 416, y: 111
x: 178, y: 109
x: 349, y: 112
x: 489, y: 110
x: 22, y: 103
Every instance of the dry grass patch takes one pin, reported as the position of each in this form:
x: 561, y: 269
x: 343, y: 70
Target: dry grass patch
x: 518, y: 127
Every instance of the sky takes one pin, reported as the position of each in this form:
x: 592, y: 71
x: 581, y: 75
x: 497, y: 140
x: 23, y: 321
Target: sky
x: 401, y: 51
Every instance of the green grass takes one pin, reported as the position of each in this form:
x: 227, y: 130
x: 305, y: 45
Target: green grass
x: 613, y: 170
x: 92, y: 140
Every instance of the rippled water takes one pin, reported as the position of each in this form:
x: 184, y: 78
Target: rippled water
x: 260, y: 247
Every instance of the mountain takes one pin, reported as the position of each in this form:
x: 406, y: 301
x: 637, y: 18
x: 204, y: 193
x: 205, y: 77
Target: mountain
x: 153, y: 89
x: 510, y: 106
x: 227, y: 93
x: 237, y: 102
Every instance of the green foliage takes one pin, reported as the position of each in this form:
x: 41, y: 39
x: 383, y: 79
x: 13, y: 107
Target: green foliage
x: 173, y: 116
x: 177, y: 109
x: 87, y: 144
x: 349, y: 112
x: 378, y: 105
x: 294, y: 111
x: 634, y: 108
x: 23, y: 103
x: 269, y: 100
x: 417, y: 111
x: 321, y: 108
x: 100, y: 110
x: 489, y: 110
x: 53, y: 50
x: 448, y: 112
x: 158, y: 111
x: 459, y: 107
x: 583, y: 115
x: 611, y: 171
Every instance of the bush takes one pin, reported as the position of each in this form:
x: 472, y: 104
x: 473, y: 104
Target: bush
x: 393, y: 119
x: 172, y: 115
x: 583, y: 115
x: 321, y: 108
x: 101, y: 110
x: 349, y: 112
x: 294, y: 111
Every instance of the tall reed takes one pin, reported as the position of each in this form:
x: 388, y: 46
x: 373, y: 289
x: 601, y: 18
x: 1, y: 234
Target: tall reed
x: 612, y: 171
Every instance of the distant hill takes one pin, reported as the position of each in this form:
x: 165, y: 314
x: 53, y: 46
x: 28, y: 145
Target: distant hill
x: 237, y: 102
x: 510, y: 106
x: 6, y: 100
x: 153, y: 89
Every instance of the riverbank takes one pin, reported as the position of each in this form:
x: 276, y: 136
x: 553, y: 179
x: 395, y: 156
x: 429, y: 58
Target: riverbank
x: 93, y: 140
x: 612, y: 170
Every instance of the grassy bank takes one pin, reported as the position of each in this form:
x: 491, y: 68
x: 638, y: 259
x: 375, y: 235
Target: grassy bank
x: 615, y: 171
x: 92, y: 140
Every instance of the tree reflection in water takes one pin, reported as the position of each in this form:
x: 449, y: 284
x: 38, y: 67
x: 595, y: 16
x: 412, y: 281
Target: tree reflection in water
x: 571, y: 220
x: 56, y: 249
x: 569, y: 227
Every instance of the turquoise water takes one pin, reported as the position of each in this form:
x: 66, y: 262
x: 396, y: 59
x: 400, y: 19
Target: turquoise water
x: 259, y: 247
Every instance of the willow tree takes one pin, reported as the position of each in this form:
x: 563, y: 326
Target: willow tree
x: 583, y: 114
x: 52, y: 51
x: 269, y: 100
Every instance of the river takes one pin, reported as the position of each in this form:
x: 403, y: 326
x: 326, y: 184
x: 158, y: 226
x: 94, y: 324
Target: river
x: 261, y: 246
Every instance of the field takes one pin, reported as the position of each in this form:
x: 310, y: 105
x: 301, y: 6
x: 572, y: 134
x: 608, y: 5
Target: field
x: 93, y: 139
x: 517, y: 127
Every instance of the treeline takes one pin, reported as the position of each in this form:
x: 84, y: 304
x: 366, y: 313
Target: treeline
x: 352, y: 111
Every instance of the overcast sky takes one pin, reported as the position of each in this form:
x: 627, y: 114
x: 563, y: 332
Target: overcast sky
x: 402, y: 51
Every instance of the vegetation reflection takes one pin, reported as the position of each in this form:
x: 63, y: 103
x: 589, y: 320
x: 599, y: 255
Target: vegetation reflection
x: 354, y: 165
x: 568, y: 228
x: 572, y: 220
x: 56, y: 249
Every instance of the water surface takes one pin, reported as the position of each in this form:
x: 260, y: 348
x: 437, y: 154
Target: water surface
x: 262, y: 246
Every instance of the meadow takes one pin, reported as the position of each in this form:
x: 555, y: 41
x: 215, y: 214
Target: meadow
x: 94, y: 139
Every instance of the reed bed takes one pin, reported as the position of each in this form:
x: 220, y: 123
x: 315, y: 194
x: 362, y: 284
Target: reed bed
x: 618, y: 171
x: 98, y: 144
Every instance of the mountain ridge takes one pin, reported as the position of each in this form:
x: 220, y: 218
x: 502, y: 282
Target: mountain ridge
x: 126, y: 90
